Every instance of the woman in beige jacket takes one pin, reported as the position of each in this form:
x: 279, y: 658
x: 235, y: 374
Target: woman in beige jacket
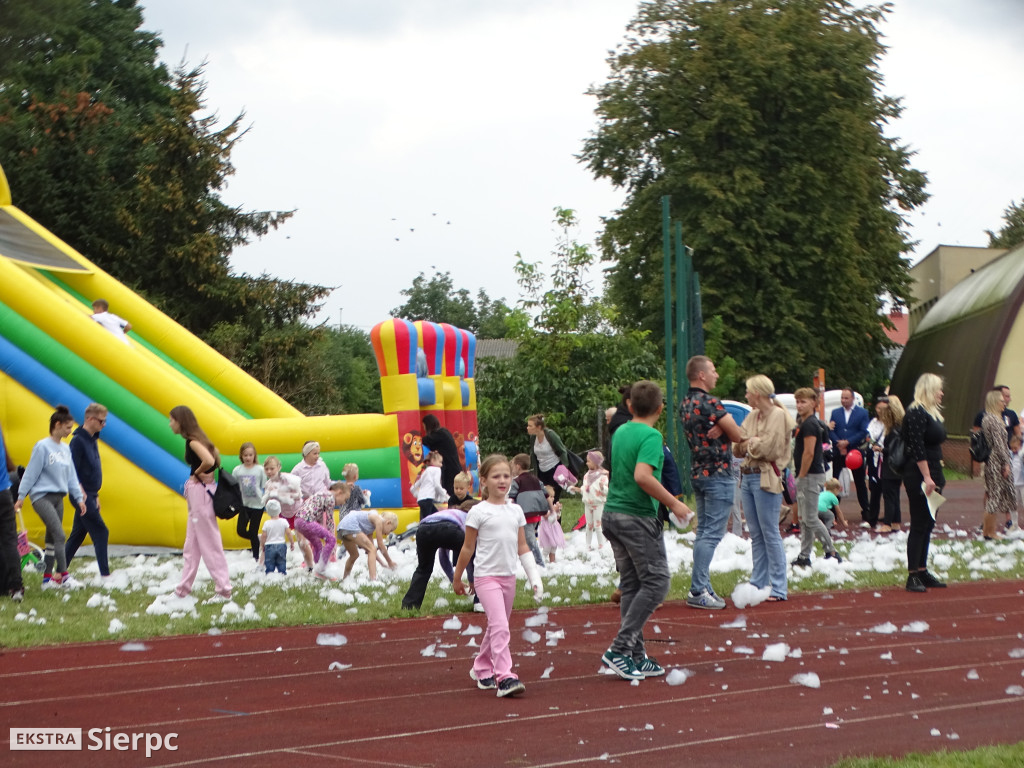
x: 767, y: 430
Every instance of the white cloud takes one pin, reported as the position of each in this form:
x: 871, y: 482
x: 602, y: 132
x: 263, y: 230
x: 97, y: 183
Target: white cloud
x: 367, y: 112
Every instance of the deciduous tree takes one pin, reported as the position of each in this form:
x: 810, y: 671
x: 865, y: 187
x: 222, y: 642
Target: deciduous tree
x: 570, y: 362
x: 439, y: 301
x: 1012, y: 232
x: 764, y: 120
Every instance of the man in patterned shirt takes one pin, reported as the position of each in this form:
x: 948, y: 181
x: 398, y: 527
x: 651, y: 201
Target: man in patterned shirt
x: 710, y: 431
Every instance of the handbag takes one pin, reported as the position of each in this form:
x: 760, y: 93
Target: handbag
x: 787, y: 493
x: 575, y: 464
x: 894, y: 453
x: 227, y: 496
x: 564, y: 477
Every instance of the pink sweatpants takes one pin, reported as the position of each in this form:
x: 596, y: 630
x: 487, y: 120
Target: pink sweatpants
x: 496, y: 594
x: 202, y: 542
x: 320, y: 539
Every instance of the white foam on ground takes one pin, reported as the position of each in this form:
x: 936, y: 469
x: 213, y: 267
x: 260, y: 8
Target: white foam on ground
x: 806, y: 679
x: 328, y: 638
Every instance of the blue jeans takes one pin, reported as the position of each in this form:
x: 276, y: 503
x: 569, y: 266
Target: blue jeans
x: 762, y: 510
x: 275, y: 558
x: 714, y: 502
x: 638, y: 544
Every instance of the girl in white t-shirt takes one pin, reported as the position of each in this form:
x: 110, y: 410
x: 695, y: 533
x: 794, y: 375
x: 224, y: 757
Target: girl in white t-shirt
x: 427, y: 489
x: 494, y: 533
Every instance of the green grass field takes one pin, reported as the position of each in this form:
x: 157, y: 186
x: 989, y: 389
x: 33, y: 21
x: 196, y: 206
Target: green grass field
x: 1011, y: 756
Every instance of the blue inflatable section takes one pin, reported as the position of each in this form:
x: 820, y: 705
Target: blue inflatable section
x: 49, y: 387
x: 385, y: 493
x: 427, y: 389
x: 472, y: 358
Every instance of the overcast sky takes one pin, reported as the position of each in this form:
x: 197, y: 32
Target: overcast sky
x: 439, y: 135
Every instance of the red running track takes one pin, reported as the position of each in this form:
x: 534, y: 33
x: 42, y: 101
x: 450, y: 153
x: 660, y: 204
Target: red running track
x: 267, y: 698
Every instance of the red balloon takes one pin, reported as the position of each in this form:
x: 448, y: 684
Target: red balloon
x: 854, y: 460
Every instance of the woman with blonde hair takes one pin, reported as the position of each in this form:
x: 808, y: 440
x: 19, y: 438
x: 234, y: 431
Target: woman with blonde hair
x: 923, y: 433
x: 890, y: 480
x: 765, y: 445
x: 1000, y: 495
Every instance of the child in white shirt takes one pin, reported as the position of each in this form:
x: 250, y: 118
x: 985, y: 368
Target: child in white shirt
x: 494, y: 533
x: 287, y: 489
x: 427, y: 488
x: 116, y: 325
x: 273, y: 536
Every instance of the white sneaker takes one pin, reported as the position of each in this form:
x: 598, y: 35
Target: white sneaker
x: 478, y: 608
x: 70, y: 582
x: 216, y: 599
x: 50, y: 584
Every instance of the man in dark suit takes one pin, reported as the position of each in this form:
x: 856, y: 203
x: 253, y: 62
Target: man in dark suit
x: 849, y: 427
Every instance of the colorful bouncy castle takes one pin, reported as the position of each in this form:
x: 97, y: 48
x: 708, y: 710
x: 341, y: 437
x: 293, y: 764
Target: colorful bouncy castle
x: 428, y: 368
x: 52, y: 352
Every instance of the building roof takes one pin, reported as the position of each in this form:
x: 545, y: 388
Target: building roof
x: 497, y: 349
x: 990, y: 286
x: 963, y: 336
x: 901, y: 332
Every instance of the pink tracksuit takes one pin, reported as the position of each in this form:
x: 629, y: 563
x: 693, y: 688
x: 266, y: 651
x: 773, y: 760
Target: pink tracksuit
x: 202, y: 541
x: 312, y: 519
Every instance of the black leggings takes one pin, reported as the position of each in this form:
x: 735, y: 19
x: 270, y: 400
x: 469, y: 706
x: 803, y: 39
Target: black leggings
x: 921, y: 520
x: 249, y: 520
x: 427, y: 507
x: 548, y: 478
x: 891, y: 499
x: 431, y: 539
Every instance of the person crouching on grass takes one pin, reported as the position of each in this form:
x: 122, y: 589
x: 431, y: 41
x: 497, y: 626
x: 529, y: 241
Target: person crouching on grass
x: 494, y: 534
x: 315, y: 521
x: 636, y: 533
x: 355, y: 531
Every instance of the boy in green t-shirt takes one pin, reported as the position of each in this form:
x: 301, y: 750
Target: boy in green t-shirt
x: 828, y: 505
x: 635, y: 532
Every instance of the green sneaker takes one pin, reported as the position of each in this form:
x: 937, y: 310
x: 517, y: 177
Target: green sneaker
x: 650, y: 668
x: 621, y: 665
